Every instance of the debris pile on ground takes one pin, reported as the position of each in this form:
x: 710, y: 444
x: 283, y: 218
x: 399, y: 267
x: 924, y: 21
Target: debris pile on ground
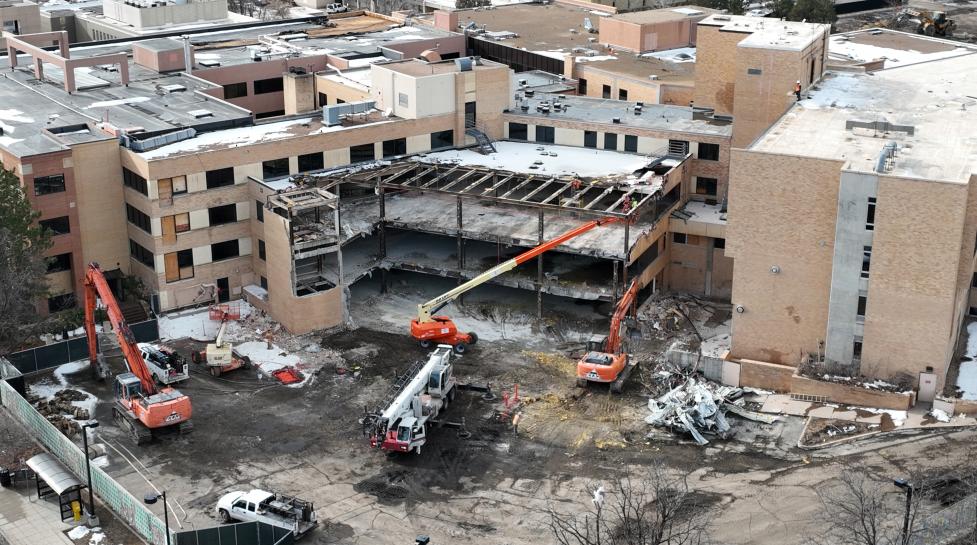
x: 835, y: 373
x: 699, y: 407
x: 820, y: 431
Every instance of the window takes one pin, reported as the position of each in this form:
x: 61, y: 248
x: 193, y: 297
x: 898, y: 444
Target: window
x: 259, y: 211
x: 224, y: 250
x: 179, y: 265
x: 622, y: 94
x: 705, y: 186
x: 392, y: 148
x: 220, y: 215
x: 134, y: 181
x: 870, y: 215
x: 631, y: 143
x: 856, y: 349
x: 860, y: 311
x: 719, y: 243
x: 270, y: 85
x: 274, y: 168
x: 141, y: 255
x: 261, y: 249
x: 323, y: 99
x: 678, y: 238
x: 582, y: 87
x: 45, y: 185
x: 402, y: 99
x: 311, y: 161
x: 264, y: 283
x: 12, y: 27
x: 866, y: 260
x: 181, y: 222
x: 518, y: 131
x: 58, y: 263
x: 610, y: 141
x: 754, y: 71
x: 545, y: 134
x: 363, y: 152
x: 470, y: 114
x: 973, y: 281
x: 446, y: 139
x: 251, y: 507
x: 590, y: 139
x: 57, y: 226
x: 678, y: 147
x: 220, y: 177
x: 708, y: 152
x: 138, y: 218
x: 605, y: 91
x: 272, y: 113
x: 235, y: 90
x: 61, y: 302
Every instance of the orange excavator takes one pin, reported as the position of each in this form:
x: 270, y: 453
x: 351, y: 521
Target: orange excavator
x: 140, y: 407
x: 430, y: 329
x: 605, y: 360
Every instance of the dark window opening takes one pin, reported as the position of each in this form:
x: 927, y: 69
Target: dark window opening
x: 582, y: 86
x: 444, y: 139
x: 631, y: 143
x: 261, y: 249
x: 58, y: 263
x: 705, y: 186
x: 605, y: 91
x: 393, y: 148
x: 310, y: 162
x: 709, y: 152
x: 610, y: 141
x: 856, y: 350
x: 323, y: 99
x: 622, y: 94
x: 719, y: 243
x: 61, y: 302
x: 518, y: 131
x: 220, y: 177
x: 273, y: 113
x: 58, y: 226
x: 870, y: 215
x: 259, y: 211
x: 235, y: 90
x: 138, y: 218
x: 264, y: 283
x: 590, y: 139
x: 363, y: 152
x: 866, y: 260
x: 45, y: 185
x: 134, y: 181
x: 973, y: 281
x: 220, y: 215
x: 678, y: 238
x: 270, y: 85
x: 274, y: 168
x: 678, y: 147
x: 545, y: 134
x: 860, y: 311
x: 224, y: 250
x: 470, y: 114
x: 141, y: 255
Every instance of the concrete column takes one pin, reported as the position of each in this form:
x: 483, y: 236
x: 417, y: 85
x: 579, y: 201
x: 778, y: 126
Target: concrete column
x: 12, y: 56
x: 69, y: 78
x: 382, y: 232
x: 614, y: 278
x: 539, y: 271
x: 461, y: 241
x: 124, y: 72
x: 38, y: 69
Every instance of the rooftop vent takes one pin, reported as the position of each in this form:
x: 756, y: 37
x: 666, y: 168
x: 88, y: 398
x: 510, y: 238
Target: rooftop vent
x: 174, y: 88
x: 201, y: 113
x: 464, y: 64
x: 209, y: 63
x: 879, y: 126
x: 883, y: 164
x: 616, y: 120
x: 156, y: 141
x: 333, y: 115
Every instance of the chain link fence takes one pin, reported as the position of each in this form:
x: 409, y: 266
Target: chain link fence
x: 947, y: 525
x: 117, y: 498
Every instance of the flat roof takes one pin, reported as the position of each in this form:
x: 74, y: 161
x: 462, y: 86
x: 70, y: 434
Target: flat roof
x: 556, y: 30
x: 768, y: 32
x: 931, y: 97
x: 418, y: 68
x: 664, y: 15
x: 897, y: 48
x: 660, y: 117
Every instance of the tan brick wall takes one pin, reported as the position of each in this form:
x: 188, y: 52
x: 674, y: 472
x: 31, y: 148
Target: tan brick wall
x: 639, y: 90
x: 101, y: 218
x: 715, y: 68
x: 768, y: 376
x: 781, y: 213
x: 850, y: 395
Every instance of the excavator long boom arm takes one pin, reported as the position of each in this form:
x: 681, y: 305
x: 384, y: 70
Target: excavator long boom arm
x: 97, y: 288
x: 424, y: 310
x: 623, y: 307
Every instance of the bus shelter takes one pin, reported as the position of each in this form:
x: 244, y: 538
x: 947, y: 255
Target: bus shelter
x: 53, y: 478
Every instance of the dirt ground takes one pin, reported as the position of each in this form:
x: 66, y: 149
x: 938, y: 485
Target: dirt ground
x: 496, y: 486
x: 963, y: 13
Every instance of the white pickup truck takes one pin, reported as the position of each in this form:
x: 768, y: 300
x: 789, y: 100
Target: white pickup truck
x: 274, y: 509
x: 336, y: 7
x: 165, y: 363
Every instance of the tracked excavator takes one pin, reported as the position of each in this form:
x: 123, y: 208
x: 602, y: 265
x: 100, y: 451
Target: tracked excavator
x: 607, y: 360
x: 431, y: 329
x: 140, y: 407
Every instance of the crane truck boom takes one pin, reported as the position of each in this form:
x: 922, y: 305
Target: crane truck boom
x: 429, y: 328
x: 605, y: 360
x: 140, y: 407
x: 425, y: 391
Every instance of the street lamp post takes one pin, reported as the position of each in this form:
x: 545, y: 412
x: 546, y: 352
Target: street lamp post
x: 150, y: 499
x: 92, y: 519
x: 908, y: 487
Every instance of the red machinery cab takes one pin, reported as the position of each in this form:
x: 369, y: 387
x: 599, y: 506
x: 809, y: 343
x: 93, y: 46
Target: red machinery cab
x: 597, y: 365
x: 407, y: 436
x: 441, y: 330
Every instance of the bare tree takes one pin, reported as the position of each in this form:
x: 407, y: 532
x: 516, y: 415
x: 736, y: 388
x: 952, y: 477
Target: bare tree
x: 658, y: 509
x: 863, y: 511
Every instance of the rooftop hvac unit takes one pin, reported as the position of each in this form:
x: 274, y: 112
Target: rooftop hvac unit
x: 530, y: 93
x: 156, y: 141
x: 616, y: 120
x: 523, y: 82
x: 588, y: 26
x: 464, y: 64
x: 333, y: 115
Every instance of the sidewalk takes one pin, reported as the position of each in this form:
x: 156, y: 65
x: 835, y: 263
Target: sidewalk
x: 916, y: 417
x: 30, y: 521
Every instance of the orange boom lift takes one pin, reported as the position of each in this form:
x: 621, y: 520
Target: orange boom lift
x: 431, y: 329
x: 605, y: 361
x: 140, y: 407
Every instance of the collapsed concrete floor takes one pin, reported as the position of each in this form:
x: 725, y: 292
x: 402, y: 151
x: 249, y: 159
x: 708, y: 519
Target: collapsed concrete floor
x: 496, y: 486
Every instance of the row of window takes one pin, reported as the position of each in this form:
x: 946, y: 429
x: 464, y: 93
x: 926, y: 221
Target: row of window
x: 696, y: 240
x: 56, y: 226
x: 179, y: 265
x: 261, y: 87
x: 520, y: 131
x: 45, y: 185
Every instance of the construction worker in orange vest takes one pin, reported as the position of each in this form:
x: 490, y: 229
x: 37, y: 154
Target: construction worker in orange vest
x: 797, y: 90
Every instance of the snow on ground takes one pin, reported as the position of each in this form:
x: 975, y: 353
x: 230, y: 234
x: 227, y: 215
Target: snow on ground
x: 268, y: 360
x: 841, y: 46
x: 967, y: 377
x: 78, y: 532
x: 197, y: 325
x: 898, y: 417
x: 560, y: 160
x: 118, y: 102
x: 681, y: 54
x: 46, y: 389
x: 596, y: 58
x: 558, y: 54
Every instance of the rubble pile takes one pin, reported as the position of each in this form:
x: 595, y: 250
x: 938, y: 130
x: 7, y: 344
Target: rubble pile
x: 699, y: 407
x: 61, y: 412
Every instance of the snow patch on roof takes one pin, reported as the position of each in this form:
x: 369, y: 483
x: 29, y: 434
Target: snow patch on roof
x: 557, y: 161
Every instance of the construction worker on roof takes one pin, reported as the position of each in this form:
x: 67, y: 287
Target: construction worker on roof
x: 797, y: 90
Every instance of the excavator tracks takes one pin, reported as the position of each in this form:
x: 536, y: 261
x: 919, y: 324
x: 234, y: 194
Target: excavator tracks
x: 139, y: 433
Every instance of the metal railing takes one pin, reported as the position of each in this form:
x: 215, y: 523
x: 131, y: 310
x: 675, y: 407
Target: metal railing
x: 947, y: 525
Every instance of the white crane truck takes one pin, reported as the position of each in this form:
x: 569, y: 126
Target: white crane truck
x: 415, y: 401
